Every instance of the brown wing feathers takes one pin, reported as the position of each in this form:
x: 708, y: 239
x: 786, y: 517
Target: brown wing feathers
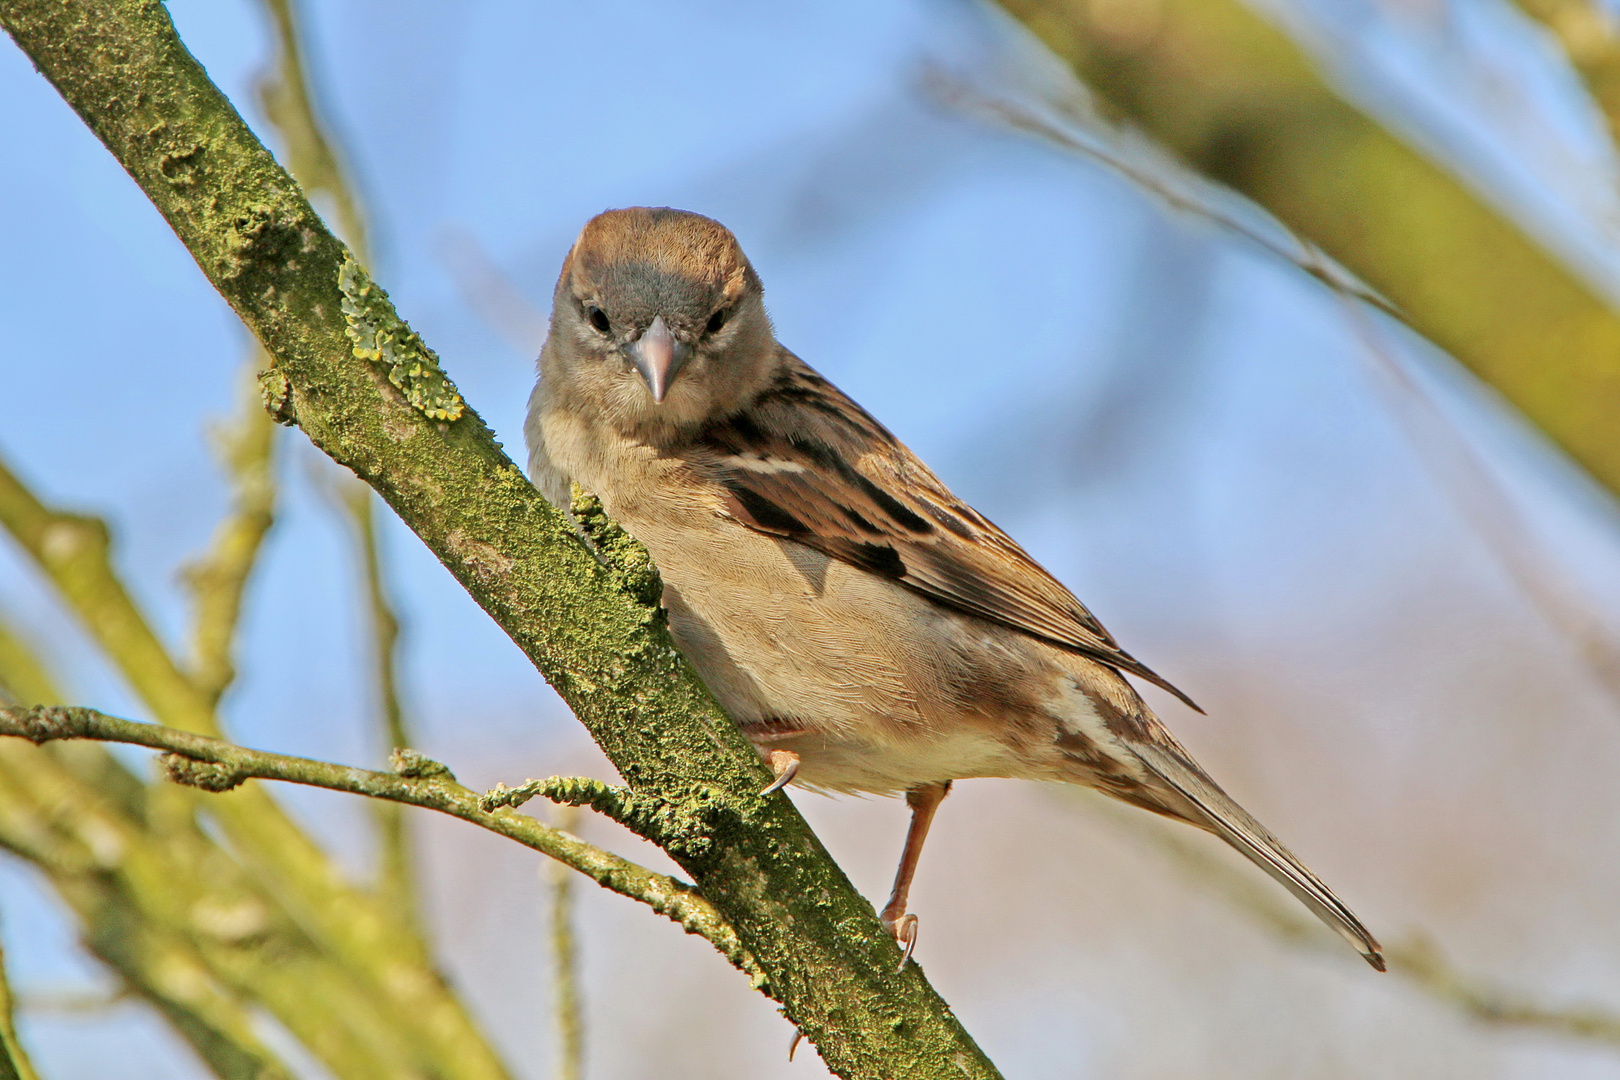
x: 842, y: 484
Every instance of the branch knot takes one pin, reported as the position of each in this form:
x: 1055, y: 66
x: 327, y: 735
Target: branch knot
x: 418, y: 766
x: 215, y: 776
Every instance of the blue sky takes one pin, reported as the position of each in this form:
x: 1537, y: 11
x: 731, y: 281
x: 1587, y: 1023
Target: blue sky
x: 1186, y: 429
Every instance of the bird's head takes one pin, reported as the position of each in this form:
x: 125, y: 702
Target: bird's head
x: 658, y: 323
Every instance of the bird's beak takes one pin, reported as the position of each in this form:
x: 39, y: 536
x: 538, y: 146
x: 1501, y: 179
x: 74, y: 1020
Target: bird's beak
x: 658, y: 356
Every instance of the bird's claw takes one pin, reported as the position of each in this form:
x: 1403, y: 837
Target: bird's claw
x: 904, y: 930
x: 785, y: 764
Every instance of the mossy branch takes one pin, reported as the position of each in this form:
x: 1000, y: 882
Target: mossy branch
x: 120, y: 65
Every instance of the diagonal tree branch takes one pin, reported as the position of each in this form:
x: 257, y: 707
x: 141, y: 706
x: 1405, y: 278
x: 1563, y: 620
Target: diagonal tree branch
x: 593, y: 629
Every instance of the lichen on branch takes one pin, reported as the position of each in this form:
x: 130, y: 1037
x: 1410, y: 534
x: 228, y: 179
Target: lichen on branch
x: 382, y: 337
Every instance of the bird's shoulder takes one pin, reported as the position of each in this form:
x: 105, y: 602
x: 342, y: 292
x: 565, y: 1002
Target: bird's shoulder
x: 805, y: 462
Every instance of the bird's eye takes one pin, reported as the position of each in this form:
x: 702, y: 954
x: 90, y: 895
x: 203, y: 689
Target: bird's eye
x: 716, y: 321
x: 598, y: 319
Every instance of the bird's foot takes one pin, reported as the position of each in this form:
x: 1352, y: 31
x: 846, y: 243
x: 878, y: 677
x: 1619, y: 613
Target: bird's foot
x: 904, y: 929
x: 785, y: 764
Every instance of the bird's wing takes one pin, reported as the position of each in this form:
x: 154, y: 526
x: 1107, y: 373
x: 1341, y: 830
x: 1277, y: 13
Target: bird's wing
x: 805, y: 462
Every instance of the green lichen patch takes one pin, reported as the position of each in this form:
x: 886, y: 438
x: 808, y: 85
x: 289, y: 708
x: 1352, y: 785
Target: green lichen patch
x: 630, y: 562
x: 382, y: 337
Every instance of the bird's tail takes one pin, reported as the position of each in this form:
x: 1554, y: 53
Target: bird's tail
x: 1213, y: 809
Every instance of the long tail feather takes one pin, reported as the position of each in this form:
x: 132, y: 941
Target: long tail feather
x: 1214, y: 809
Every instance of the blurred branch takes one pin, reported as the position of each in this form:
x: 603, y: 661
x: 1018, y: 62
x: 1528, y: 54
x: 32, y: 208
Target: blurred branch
x: 179, y: 926
x: 288, y: 102
x: 491, y: 294
x: 218, y: 579
x: 358, y: 930
x: 1483, y: 503
x: 69, y: 1001
x: 1590, y: 35
x: 162, y: 905
x: 1236, y: 98
x: 74, y: 551
x: 564, y: 962
x: 24, y: 679
x: 396, y: 875
x: 368, y: 391
x: 1064, y: 115
x: 14, y: 1063
x: 1417, y: 960
x: 218, y: 766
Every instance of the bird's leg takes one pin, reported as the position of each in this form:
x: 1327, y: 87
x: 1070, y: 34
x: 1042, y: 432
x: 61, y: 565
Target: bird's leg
x: 785, y: 764
x: 923, y: 800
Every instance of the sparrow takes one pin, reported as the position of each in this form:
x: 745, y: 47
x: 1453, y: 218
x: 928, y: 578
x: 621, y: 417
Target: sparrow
x: 868, y: 630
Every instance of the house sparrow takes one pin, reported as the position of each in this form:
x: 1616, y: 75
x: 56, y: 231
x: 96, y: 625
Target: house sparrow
x: 868, y: 630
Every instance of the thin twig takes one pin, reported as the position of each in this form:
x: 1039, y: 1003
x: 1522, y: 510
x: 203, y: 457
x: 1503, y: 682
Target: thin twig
x: 1065, y: 118
x: 216, y: 765
x: 564, y: 961
x: 355, y: 929
x: 396, y: 869
x: 312, y: 157
x: 1481, y: 501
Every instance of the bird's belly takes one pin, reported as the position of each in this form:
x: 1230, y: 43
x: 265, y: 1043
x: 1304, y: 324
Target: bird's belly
x: 877, y: 689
